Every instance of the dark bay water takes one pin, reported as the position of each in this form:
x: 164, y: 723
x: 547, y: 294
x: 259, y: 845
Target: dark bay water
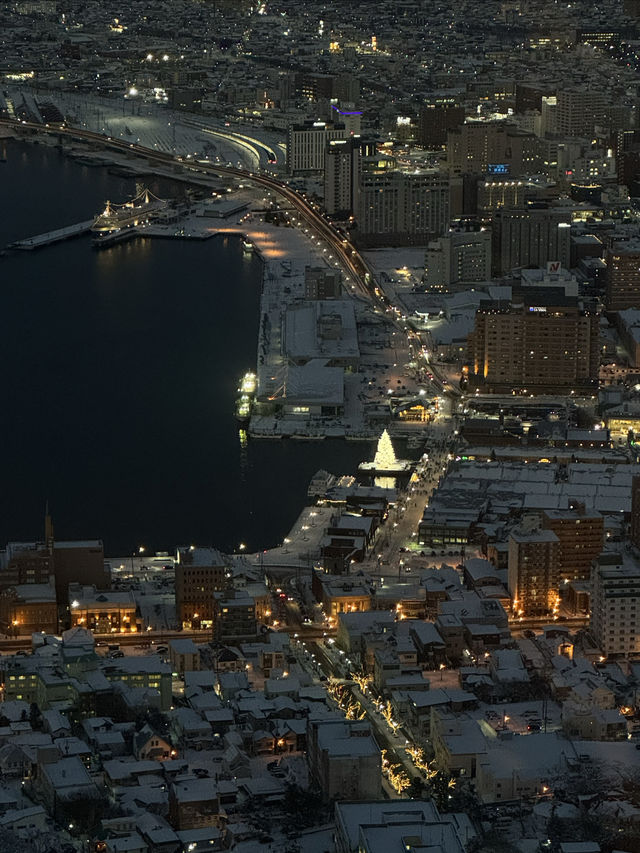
x: 118, y: 375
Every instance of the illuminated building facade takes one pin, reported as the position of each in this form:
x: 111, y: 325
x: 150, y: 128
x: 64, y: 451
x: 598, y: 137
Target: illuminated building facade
x: 615, y: 605
x: 543, y: 340
x: 103, y: 612
x: 307, y: 145
x: 580, y: 541
x: 479, y: 148
x: 342, y: 175
x: 400, y: 206
x: 28, y: 609
x: 200, y: 573
x: 533, y: 571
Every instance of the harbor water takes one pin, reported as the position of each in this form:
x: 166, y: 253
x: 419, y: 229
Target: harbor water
x: 119, y: 371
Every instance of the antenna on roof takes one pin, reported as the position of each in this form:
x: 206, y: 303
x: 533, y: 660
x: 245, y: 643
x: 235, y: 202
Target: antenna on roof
x: 48, y: 528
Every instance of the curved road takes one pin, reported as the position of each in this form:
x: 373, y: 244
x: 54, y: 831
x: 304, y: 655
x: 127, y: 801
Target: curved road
x: 345, y: 252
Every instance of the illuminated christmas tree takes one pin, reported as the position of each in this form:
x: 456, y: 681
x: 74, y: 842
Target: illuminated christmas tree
x: 385, y: 458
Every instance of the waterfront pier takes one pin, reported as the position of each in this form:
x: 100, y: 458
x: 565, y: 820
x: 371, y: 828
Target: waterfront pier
x: 50, y: 237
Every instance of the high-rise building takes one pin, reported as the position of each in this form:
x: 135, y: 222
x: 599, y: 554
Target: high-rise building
x: 397, y: 206
x: 548, y: 115
x: 533, y: 570
x: 307, y: 145
x: 579, y: 110
x: 623, y: 276
x: 459, y: 256
x: 200, y: 573
x: 635, y: 511
x: 436, y: 120
x: 530, y: 237
x: 79, y: 562
x: 491, y: 148
x: 342, y: 175
x: 615, y: 605
x: 542, y: 340
x: 580, y: 540
x: 529, y: 96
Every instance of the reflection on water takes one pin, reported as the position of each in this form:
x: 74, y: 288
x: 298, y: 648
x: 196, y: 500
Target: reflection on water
x: 122, y: 401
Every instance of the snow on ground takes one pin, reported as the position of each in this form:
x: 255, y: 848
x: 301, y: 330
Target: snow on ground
x: 159, y: 127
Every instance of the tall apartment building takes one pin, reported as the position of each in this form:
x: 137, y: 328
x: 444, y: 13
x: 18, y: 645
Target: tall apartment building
x: 307, y: 145
x: 460, y: 256
x: 542, y: 340
x: 436, y: 120
x: 579, y: 110
x: 397, y: 206
x: 580, y: 540
x: 491, y: 147
x: 533, y: 570
x: 615, y: 605
x: 623, y: 276
x: 342, y: 175
x: 530, y: 237
x: 200, y: 573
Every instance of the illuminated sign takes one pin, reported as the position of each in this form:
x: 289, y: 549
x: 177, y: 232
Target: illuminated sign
x: 498, y: 168
x: 538, y: 309
x: 344, y: 113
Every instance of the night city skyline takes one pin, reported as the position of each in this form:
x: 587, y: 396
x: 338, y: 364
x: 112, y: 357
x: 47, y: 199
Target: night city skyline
x: 320, y: 527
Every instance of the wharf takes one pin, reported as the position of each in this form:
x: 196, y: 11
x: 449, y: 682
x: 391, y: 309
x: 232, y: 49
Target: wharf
x: 50, y: 237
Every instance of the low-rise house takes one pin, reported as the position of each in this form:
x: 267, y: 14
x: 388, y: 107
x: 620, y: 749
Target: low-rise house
x: 520, y: 768
x: 190, y: 728
x: 363, y: 823
x: 458, y: 743
x: 125, y: 772
x: 586, y: 723
x: 63, y: 782
x: 126, y: 844
x: 33, y: 818
x: 149, y: 746
x: 194, y: 803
